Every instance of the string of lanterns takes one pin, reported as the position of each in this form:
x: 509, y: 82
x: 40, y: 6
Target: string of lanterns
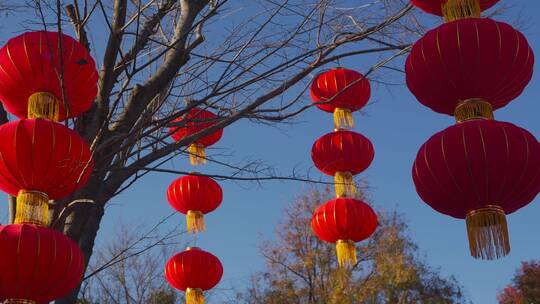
x: 195, y: 270
x: 42, y: 160
x: 479, y: 169
x: 343, y: 154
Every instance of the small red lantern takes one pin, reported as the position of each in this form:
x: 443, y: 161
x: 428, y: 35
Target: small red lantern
x: 341, y: 91
x: 197, y: 120
x: 194, y: 271
x: 38, y: 264
x: 30, y: 85
x: 344, y: 221
x: 194, y: 196
x: 41, y: 160
x: 454, y: 9
x: 469, y: 67
x: 342, y: 154
x: 480, y: 170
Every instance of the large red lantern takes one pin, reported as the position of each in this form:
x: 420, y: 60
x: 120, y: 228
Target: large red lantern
x: 194, y: 271
x: 344, y: 221
x: 342, y: 154
x: 340, y: 91
x: 41, y: 160
x: 454, y: 9
x: 30, y: 76
x: 38, y: 264
x: 194, y: 196
x: 468, y: 67
x: 196, y: 120
x: 480, y: 170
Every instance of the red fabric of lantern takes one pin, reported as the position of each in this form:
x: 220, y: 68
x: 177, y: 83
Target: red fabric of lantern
x: 435, y: 7
x: 469, y: 59
x: 194, y: 271
x: 30, y: 64
x: 344, y: 91
x: 476, y: 167
x: 194, y: 195
x: 344, y: 221
x: 197, y: 120
x: 38, y: 264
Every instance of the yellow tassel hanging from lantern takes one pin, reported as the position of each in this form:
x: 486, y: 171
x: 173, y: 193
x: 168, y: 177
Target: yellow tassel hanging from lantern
x: 474, y: 108
x: 195, y: 221
x: 43, y: 105
x: 194, y: 296
x: 459, y: 9
x: 19, y: 301
x: 344, y: 184
x: 346, y: 252
x: 32, y: 208
x: 488, y: 233
x: 197, y: 155
x: 343, y: 118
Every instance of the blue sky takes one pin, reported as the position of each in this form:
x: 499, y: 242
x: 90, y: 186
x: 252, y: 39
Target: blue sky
x: 397, y: 125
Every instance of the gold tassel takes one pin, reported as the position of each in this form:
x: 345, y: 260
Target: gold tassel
x: 43, y: 105
x: 343, y: 119
x: 197, y: 156
x: 488, y: 233
x: 32, y: 208
x: 195, y: 221
x: 344, y: 184
x: 19, y: 301
x: 459, y: 9
x: 474, y: 108
x: 346, y: 253
x: 194, y: 296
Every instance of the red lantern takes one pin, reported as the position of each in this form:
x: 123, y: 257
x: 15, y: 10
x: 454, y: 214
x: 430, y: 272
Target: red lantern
x: 197, y: 120
x: 194, y: 271
x: 41, y: 160
x: 341, y: 91
x: 30, y: 86
x: 344, y: 221
x: 342, y: 154
x: 468, y: 67
x: 480, y: 170
x: 38, y: 264
x: 454, y: 9
x: 194, y: 196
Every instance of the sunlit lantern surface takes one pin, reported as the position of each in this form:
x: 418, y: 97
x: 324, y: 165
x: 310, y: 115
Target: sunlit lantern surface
x: 38, y: 264
x: 469, y: 67
x: 480, y: 170
x: 454, y: 9
x: 344, y: 221
x: 30, y: 76
x: 342, y: 154
x: 340, y: 91
x: 194, y: 271
x: 194, y: 196
x: 196, y: 120
x: 41, y: 160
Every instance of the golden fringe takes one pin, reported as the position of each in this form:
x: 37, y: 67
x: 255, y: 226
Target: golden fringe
x: 197, y: 156
x: 346, y: 253
x: 344, y: 184
x: 19, y: 301
x: 488, y: 233
x: 343, y: 118
x: 474, y: 108
x: 43, y: 105
x: 459, y: 9
x: 32, y: 208
x: 195, y: 221
x: 194, y: 296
